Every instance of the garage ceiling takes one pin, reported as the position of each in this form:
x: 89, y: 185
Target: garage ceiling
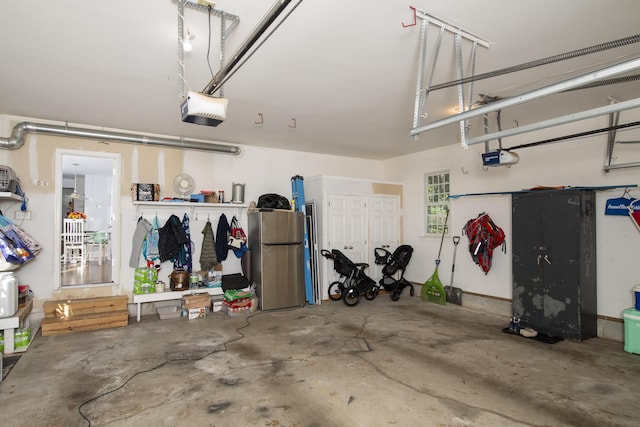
x: 337, y: 77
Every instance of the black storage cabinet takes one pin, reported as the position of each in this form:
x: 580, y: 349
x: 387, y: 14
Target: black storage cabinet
x: 554, y: 262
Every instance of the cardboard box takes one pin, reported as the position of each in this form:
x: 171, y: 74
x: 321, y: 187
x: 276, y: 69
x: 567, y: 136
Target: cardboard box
x: 145, y: 192
x: 198, y: 313
x: 217, y: 306
x: 214, y: 276
x: 197, y: 300
x: 238, y: 311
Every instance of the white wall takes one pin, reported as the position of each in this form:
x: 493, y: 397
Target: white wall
x: 571, y: 163
x: 263, y: 170
x: 575, y: 163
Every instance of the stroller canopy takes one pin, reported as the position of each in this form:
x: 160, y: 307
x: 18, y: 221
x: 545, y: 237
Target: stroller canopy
x: 398, y: 260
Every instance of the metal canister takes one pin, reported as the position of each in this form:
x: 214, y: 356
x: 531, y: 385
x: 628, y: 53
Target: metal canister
x: 237, y: 193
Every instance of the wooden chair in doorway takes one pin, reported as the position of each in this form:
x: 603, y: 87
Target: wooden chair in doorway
x: 73, y: 249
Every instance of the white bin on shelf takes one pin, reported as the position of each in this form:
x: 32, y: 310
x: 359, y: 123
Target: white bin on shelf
x: 8, y: 294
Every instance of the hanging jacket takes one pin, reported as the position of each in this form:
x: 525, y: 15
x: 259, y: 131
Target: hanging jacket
x: 139, y: 235
x: 151, y: 251
x: 222, y: 238
x: 208, y: 256
x: 484, y: 236
x: 171, y: 239
x: 183, y: 260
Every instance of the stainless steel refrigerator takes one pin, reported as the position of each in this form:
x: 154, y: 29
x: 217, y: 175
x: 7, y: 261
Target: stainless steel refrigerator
x: 276, y: 242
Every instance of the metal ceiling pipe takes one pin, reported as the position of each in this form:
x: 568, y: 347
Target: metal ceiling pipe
x: 267, y: 20
x: 621, y: 166
x: 570, y: 118
x: 539, y: 62
x: 531, y: 95
x: 20, y: 131
x: 575, y: 135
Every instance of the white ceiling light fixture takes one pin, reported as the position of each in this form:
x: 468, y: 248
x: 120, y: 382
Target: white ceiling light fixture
x: 75, y: 195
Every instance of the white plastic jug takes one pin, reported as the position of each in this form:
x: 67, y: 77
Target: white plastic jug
x: 8, y: 294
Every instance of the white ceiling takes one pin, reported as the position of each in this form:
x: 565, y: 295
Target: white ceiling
x: 86, y: 165
x: 343, y: 72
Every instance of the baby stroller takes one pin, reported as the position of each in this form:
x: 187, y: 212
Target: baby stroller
x: 394, y: 262
x: 353, y: 281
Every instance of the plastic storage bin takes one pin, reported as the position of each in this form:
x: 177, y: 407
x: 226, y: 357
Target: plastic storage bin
x: 169, y: 311
x: 632, y: 330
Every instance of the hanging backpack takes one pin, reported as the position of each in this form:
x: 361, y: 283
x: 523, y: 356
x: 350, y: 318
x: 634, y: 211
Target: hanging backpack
x: 484, y: 236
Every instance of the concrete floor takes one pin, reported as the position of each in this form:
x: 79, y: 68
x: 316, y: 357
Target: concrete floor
x: 381, y: 363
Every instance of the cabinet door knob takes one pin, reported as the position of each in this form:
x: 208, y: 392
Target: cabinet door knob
x: 346, y: 247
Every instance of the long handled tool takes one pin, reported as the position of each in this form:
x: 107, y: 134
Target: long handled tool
x: 432, y: 290
x: 454, y: 295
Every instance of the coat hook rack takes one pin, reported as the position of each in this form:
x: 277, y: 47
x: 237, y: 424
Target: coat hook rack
x: 293, y: 123
x: 414, y: 18
x: 261, y: 121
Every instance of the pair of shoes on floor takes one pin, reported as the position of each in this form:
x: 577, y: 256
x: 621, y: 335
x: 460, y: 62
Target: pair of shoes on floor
x: 528, y: 332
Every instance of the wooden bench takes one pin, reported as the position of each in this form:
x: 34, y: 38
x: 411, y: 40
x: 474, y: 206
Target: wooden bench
x: 84, y: 314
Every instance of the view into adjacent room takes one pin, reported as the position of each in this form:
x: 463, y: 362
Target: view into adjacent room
x: 88, y: 219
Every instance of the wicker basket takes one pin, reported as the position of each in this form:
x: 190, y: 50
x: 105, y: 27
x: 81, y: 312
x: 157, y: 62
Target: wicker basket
x: 211, y: 197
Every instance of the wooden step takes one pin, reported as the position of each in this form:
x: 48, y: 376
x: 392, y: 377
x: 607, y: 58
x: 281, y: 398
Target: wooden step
x: 84, y: 322
x: 69, y: 308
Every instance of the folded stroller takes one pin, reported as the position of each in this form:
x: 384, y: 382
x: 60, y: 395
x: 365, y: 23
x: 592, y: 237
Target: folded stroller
x: 394, y: 262
x: 353, y: 281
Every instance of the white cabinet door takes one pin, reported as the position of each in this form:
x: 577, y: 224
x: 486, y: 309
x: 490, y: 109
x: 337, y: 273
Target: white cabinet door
x: 347, y: 228
x: 384, y: 229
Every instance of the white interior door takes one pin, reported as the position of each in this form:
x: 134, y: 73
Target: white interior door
x: 384, y: 229
x: 347, y: 228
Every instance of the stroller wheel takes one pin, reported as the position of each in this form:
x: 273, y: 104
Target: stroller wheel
x: 351, y: 296
x: 411, y: 291
x: 371, y: 293
x: 335, y: 291
x: 395, y: 295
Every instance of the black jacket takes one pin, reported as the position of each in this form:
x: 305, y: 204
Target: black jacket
x: 171, y: 238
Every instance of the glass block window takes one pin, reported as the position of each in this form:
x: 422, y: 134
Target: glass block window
x: 436, y: 196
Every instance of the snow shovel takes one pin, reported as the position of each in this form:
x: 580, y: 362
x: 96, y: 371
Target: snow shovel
x: 454, y: 295
x: 432, y: 290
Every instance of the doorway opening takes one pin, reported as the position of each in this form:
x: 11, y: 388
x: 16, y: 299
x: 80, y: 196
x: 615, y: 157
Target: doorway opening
x: 87, y: 191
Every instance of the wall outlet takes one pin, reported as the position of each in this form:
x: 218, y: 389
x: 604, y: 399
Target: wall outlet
x: 22, y: 215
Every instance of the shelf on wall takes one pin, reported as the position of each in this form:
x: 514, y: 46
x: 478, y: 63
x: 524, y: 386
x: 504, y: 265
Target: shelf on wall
x: 9, y: 196
x: 190, y: 207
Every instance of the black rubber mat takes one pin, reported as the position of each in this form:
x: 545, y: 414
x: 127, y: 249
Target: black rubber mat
x: 544, y: 338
